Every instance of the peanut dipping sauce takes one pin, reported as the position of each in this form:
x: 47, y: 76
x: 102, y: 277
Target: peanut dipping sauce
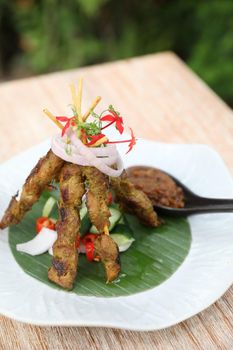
x: 157, y: 185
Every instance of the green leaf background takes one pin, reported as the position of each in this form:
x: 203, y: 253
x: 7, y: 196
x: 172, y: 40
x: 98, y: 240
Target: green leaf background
x: 38, y: 36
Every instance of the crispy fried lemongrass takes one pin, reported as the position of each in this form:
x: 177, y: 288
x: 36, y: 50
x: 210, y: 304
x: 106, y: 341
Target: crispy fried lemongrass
x: 79, y: 97
x: 75, y: 100
x: 93, y: 105
x: 53, y: 118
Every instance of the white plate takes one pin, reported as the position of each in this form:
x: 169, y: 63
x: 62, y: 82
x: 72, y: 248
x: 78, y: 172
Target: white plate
x: 205, y: 275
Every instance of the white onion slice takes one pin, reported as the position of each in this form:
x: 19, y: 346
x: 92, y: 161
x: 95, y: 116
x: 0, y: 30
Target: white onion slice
x: 100, y: 157
x: 50, y: 251
x: 40, y: 244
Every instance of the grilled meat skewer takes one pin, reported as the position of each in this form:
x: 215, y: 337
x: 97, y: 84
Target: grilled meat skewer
x: 134, y: 201
x: 97, y: 198
x: 65, y: 254
x: 41, y: 175
x: 97, y: 203
x: 108, y: 252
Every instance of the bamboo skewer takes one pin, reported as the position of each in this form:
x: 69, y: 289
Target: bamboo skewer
x: 106, y: 231
x: 51, y: 116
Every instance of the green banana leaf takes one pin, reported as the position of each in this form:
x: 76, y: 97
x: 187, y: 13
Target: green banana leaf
x: 154, y: 256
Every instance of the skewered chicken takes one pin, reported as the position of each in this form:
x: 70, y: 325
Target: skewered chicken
x: 41, y: 175
x: 97, y: 197
x: 65, y: 254
x: 133, y: 200
x: 97, y: 203
x: 108, y: 252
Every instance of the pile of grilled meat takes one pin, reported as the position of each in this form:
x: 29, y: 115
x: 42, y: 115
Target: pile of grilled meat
x: 75, y: 181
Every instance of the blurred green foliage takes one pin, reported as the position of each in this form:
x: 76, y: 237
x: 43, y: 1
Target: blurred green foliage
x: 38, y: 36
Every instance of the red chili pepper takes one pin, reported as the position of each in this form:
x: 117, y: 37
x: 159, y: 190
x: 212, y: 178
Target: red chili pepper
x: 69, y: 121
x: 88, y: 241
x: 89, y: 237
x: 90, y: 251
x: 44, y: 222
x: 95, y: 138
x: 113, y: 118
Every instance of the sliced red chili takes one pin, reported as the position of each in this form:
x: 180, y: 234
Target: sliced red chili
x: 95, y: 138
x: 44, y: 222
x: 88, y: 241
x: 90, y: 251
x: 88, y: 237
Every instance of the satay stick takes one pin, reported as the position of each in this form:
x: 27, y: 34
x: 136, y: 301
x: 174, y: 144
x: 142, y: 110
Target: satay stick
x: 93, y: 105
x: 51, y: 116
x: 106, y: 231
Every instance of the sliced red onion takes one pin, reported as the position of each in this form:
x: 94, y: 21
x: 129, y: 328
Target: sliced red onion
x: 59, y: 148
x: 106, y: 151
x: 97, y: 162
x: 102, y: 157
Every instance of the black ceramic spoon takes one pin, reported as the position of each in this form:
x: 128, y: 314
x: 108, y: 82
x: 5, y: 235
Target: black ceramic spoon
x: 195, y: 204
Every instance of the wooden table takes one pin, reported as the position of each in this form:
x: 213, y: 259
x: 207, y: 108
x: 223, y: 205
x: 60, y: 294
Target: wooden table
x: 164, y: 101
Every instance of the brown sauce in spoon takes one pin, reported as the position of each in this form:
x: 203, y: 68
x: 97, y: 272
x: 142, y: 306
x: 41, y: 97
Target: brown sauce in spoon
x: 157, y: 185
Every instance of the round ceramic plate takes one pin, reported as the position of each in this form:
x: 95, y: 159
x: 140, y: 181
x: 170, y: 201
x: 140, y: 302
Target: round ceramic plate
x: 204, y: 276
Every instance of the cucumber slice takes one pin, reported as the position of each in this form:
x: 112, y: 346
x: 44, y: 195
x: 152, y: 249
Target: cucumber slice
x: 85, y: 221
x: 83, y: 212
x: 114, y: 218
x: 123, y: 242
x: 48, y: 207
